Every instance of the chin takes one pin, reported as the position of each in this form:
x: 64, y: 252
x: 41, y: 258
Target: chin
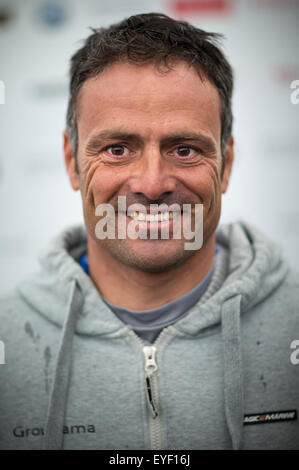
x: 157, y: 256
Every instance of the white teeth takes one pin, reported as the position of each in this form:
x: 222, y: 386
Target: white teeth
x: 153, y: 217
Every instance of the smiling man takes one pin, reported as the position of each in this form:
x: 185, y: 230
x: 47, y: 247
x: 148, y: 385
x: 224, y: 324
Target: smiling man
x: 151, y: 137
x: 136, y: 342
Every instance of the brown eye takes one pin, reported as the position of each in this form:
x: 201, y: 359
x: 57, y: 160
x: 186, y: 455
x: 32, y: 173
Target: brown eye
x: 117, y: 150
x: 184, y: 151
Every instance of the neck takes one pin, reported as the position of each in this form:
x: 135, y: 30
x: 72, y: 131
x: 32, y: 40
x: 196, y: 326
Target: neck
x: 134, y: 289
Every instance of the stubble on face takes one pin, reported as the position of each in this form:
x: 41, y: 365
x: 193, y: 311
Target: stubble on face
x: 151, y: 106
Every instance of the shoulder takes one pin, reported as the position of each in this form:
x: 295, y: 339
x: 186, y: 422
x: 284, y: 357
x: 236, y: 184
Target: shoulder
x: 15, y: 314
x: 10, y: 303
x: 287, y: 293
x: 277, y: 315
x: 292, y: 280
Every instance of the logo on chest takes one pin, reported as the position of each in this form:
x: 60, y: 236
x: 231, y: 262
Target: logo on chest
x: 270, y: 417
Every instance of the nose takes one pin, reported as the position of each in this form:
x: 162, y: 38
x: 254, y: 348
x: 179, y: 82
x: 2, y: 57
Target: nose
x: 152, y: 176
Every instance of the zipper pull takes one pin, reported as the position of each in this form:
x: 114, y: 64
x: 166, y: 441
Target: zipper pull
x: 150, y: 359
x: 150, y: 367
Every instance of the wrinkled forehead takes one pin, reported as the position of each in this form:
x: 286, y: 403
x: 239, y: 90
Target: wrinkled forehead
x: 144, y: 94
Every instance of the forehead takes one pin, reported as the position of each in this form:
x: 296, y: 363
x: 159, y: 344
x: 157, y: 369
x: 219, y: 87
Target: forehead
x: 152, y: 102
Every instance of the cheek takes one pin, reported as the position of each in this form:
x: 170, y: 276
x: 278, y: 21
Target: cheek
x: 100, y: 182
x: 205, y: 181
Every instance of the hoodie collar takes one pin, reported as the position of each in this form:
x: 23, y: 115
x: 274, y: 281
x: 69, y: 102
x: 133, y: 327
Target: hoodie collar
x: 48, y: 290
x: 248, y: 264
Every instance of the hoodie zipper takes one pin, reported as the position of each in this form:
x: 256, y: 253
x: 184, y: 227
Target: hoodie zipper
x: 152, y: 388
x: 150, y: 368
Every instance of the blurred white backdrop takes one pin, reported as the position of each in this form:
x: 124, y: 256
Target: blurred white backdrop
x: 37, y: 38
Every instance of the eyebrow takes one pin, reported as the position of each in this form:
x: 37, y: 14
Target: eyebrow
x: 96, y: 140
x: 204, y: 141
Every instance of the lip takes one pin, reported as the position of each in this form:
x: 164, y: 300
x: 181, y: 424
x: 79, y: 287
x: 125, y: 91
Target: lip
x: 154, y: 216
x: 145, y: 227
x: 153, y: 211
x: 149, y: 211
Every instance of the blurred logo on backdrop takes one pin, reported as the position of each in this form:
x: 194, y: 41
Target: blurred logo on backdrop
x: 6, y: 14
x: 48, y: 89
x: 51, y: 14
x: 283, y: 74
x: 198, y: 7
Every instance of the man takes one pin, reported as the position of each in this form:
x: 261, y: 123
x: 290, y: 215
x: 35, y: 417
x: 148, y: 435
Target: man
x: 124, y: 342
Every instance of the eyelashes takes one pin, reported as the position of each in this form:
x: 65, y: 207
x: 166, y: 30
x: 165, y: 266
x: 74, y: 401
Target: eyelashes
x: 124, y: 151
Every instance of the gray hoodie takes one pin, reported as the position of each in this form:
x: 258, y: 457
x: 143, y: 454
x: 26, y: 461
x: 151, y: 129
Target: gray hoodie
x: 76, y: 377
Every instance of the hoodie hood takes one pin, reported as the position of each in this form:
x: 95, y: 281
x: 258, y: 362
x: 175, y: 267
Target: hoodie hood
x: 48, y: 290
x: 253, y: 266
x: 66, y: 296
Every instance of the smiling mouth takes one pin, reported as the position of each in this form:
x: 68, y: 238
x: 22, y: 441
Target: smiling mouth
x: 160, y: 217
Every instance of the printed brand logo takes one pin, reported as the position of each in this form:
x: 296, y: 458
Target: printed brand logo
x: 20, y: 431
x: 270, y: 417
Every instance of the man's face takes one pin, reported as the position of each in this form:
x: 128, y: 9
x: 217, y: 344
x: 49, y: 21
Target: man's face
x: 151, y: 137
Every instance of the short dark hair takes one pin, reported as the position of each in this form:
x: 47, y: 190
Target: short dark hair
x: 158, y: 39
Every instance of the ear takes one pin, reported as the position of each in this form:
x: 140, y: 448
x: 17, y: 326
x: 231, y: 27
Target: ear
x: 229, y: 159
x: 69, y: 160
